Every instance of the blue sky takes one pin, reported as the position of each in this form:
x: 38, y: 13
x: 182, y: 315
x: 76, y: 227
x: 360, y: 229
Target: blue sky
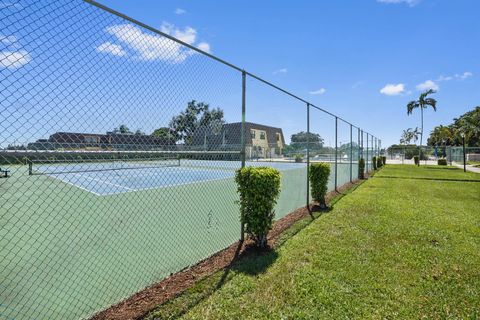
x: 363, y: 60
x: 345, y: 51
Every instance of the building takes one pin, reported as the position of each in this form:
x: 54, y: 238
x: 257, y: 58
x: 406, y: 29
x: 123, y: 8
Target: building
x: 108, y: 141
x: 261, y: 141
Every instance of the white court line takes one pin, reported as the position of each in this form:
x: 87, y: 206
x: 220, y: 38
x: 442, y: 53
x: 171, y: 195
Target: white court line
x: 148, y: 188
x: 105, y: 182
x: 74, y: 185
x: 169, y: 185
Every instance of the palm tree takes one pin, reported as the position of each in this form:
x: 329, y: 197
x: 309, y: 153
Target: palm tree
x: 414, y: 135
x: 423, y: 102
x: 405, y: 137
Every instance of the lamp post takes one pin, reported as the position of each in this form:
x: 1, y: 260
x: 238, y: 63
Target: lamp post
x: 464, y: 155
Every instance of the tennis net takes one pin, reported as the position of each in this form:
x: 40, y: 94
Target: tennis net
x: 59, y: 166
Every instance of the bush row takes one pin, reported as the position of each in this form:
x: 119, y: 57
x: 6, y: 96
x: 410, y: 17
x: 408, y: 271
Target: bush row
x: 259, y: 188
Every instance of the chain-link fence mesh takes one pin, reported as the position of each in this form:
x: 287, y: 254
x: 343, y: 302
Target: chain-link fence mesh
x: 429, y: 155
x: 118, y: 150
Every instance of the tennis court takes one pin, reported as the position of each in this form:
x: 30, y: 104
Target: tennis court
x: 160, y: 220
x: 56, y: 220
x: 113, y: 177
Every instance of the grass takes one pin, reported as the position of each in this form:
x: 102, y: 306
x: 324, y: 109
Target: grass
x: 405, y: 244
x: 474, y: 163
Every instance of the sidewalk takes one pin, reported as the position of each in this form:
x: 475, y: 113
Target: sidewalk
x: 469, y: 167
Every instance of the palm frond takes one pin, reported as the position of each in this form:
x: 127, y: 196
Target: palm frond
x: 431, y: 102
x: 412, y: 105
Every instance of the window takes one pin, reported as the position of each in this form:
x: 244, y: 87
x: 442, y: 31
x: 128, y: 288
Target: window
x: 90, y: 139
x: 278, y: 137
x: 252, y: 134
x: 262, y: 135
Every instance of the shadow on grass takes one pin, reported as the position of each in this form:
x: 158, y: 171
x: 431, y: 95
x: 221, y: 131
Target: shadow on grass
x: 443, y: 168
x: 430, y: 179
x: 249, y: 261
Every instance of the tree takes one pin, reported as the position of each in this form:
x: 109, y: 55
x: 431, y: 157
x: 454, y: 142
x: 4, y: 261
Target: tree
x: 163, y: 132
x: 122, y: 129
x: 139, y: 132
x: 299, y: 140
x: 409, y: 135
x: 440, y: 135
x: 196, y: 115
x: 423, y: 102
x: 468, y: 123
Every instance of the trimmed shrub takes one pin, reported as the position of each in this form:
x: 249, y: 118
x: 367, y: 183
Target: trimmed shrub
x: 384, y: 160
x: 442, y: 162
x: 361, y: 169
x: 298, y: 158
x: 379, y: 162
x: 416, y: 159
x: 259, y: 188
x: 374, y: 162
x: 318, y: 175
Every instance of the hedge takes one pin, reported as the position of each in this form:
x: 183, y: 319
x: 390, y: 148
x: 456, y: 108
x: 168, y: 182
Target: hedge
x: 442, y: 162
x: 374, y: 162
x: 379, y: 162
x: 416, y: 160
x: 318, y: 175
x: 259, y: 188
x: 361, y: 169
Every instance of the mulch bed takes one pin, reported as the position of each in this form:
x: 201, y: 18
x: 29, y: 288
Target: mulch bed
x: 141, y: 303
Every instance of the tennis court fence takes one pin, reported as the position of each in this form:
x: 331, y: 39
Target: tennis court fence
x: 119, y: 144
x: 431, y: 154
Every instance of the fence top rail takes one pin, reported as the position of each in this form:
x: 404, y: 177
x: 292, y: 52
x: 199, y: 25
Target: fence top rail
x: 139, y: 23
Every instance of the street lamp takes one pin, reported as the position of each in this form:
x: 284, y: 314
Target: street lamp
x: 462, y: 134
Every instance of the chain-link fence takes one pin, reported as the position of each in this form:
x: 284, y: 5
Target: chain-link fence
x: 429, y: 155
x: 118, y: 149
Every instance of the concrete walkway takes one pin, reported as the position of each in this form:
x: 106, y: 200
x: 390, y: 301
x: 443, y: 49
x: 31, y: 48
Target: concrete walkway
x: 468, y: 167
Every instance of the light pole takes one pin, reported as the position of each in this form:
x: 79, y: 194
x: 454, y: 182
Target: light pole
x: 464, y: 155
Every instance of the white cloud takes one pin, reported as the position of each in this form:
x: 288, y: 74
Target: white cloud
x: 319, y: 91
x: 393, y: 89
x: 444, y: 78
x: 14, y: 59
x: 153, y: 47
x: 410, y: 3
x: 188, y: 35
x: 463, y: 76
x: 280, y: 71
x: 427, y: 85
x: 13, y: 56
x: 180, y: 11
x: 204, y: 47
x: 8, y: 40
x: 112, y: 48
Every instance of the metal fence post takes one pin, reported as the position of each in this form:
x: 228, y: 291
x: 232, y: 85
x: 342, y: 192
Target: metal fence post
x: 366, y: 160
x: 308, y: 156
x: 242, y: 142
x: 336, y: 152
x: 361, y: 146
x: 351, y: 152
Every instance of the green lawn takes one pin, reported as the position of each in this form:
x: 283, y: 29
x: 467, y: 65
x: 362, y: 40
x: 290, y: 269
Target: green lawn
x: 405, y: 244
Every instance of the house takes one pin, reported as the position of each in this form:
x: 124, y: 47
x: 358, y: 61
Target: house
x: 108, y: 141
x: 261, y: 141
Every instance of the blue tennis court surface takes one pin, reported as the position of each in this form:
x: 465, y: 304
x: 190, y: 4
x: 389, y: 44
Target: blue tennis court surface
x: 109, y: 182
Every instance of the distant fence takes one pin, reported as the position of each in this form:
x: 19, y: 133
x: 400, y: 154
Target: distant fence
x: 428, y: 154
x: 119, y: 144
